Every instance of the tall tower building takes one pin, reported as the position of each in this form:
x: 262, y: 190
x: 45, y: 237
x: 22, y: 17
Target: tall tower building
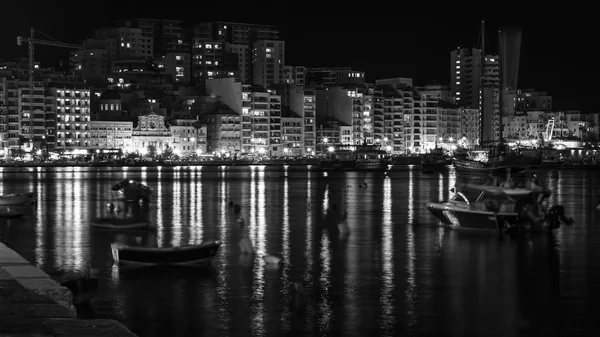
x: 465, y: 76
x: 269, y: 62
x: 237, y: 39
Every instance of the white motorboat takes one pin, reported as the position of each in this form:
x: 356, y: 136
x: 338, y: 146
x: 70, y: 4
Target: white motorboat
x: 495, y: 209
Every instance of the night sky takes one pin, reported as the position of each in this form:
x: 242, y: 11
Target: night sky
x: 386, y: 40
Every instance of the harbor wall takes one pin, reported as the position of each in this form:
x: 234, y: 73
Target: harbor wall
x: 33, y: 303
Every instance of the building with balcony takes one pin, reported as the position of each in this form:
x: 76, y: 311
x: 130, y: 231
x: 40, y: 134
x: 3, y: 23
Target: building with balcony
x: 261, y: 121
x: 388, y: 118
x: 71, y: 105
x: 223, y: 132
x: 352, y: 106
x: 292, y: 138
x: 295, y: 75
x: 111, y: 135
x: 189, y: 137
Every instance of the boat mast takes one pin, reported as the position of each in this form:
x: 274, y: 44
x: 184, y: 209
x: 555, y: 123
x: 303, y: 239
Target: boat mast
x: 481, y: 104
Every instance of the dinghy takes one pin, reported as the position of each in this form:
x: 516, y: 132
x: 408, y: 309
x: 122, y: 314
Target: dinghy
x: 204, y: 252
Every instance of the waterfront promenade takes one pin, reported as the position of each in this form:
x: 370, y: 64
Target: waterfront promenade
x: 33, y: 304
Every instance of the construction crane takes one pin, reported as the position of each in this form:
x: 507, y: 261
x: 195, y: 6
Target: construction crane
x: 32, y: 41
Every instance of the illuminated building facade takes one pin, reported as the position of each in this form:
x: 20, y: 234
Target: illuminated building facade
x: 151, y: 131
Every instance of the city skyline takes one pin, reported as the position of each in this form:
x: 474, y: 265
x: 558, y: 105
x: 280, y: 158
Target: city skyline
x: 425, y: 59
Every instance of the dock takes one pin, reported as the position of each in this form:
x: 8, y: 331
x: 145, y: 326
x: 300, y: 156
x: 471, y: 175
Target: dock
x: 34, y: 304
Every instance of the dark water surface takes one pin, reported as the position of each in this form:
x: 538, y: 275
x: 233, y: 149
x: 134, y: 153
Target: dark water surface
x: 397, y: 273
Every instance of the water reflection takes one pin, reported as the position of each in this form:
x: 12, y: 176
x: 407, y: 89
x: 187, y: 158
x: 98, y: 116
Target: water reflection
x: 257, y: 226
x: 68, y: 241
x: 223, y: 259
x: 177, y: 223
x: 410, y: 197
x: 40, y: 222
x: 387, y: 251
x: 196, y: 235
x: 160, y: 228
x: 285, y: 244
x: 325, y: 311
x: 390, y: 274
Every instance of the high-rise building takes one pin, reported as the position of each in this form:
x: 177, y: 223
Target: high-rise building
x: 465, y: 76
x: 352, y: 105
x: 295, y: 75
x: 269, y: 62
x: 167, y: 36
x: 237, y: 39
x: 70, y: 105
x: 333, y: 77
x: 178, y: 66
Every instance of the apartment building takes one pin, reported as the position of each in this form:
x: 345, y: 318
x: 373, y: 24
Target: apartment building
x: 189, y: 138
x: 388, y: 119
x: 295, y: 75
x: 223, y: 133
x: 269, y: 62
x: 333, y: 77
x: 237, y: 39
x: 111, y: 135
x: 261, y: 121
x: 70, y: 106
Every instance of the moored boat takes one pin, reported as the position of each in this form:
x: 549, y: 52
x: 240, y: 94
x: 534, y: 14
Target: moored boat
x: 15, y: 211
x: 130, y: 190
x: 204, y: 252
x: 17, y: 198
x: 493, y: 209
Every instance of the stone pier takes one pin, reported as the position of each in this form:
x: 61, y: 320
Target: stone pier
x: 34, y: 304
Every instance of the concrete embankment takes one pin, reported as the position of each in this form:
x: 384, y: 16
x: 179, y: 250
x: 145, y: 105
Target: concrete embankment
x: 34, y: 304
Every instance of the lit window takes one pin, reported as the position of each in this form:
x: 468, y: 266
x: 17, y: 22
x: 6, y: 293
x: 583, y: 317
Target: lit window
x: 457, y: 82
x: 208, y: 46
x: 457, y: 61
x: 208, y: 62
x: 179, y: 41
x: 457, y: 67
x: 178, y: 57
x: 269, y: 50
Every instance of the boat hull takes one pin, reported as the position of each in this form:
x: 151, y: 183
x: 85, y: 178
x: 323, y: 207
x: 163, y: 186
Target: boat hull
x: 119, y: 224
x: 461, y: 217
x: 204, y: 252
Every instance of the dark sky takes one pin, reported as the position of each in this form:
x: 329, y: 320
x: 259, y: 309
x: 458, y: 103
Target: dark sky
x: 384, y: 39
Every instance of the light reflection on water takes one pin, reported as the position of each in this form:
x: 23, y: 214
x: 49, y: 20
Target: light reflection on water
x: 397, y: 271
x: 160, y: 229
x: 387, y: 251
